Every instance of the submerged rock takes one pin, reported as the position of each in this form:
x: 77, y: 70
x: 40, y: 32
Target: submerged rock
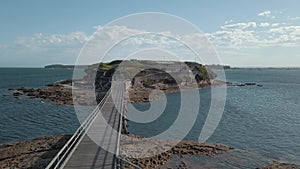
x: 248, y: 84
x: 17, y: 93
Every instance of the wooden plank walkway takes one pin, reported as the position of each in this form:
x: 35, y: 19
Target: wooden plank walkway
x: 87, y: 154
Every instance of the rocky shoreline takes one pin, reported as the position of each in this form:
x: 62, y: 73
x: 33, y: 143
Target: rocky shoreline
x: 279, y: 165
x: 34, y: 154
x: 37, y: 153
x: 163, y: 150
x: 60, y: 93
x: 140, y: 93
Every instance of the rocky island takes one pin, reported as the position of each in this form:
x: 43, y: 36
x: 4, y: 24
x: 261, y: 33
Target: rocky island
x: 139, y: 88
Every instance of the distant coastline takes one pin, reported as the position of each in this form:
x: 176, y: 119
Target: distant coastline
x: 211, y: 66
x: 61, y: 66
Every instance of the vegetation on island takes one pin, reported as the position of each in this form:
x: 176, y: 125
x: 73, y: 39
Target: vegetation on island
x: 148, y: 68
x: 146, y: 75
x: 61, y: 66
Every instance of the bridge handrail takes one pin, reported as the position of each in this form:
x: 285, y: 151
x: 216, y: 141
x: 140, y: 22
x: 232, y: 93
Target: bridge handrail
x: 120, y: 124
x: 64, y: 152
x: 120, y: 162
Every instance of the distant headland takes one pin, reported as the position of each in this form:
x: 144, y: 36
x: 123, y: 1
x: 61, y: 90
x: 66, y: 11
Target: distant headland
x: 61, y: 66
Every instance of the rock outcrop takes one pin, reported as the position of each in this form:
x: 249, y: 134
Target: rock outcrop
x: 190, y: 75
x: 164, y: 149
x: 37, y: 153
x: 278, y: 165
x: 58, y: 92
x: 34, y: 154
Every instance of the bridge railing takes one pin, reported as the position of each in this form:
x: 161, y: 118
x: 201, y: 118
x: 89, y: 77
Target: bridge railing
x: 120, y: 162
x: 119, y: 131
x: 61, y: 156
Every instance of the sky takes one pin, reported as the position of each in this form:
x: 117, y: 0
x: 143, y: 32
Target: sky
x: 256, y: 33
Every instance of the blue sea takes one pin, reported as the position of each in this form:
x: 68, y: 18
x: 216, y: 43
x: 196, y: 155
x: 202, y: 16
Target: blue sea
x: 264, y: 121
x: 22, y: 118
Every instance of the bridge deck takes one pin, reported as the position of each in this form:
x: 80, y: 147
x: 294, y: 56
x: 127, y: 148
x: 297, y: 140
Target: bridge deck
x: 87, y: 153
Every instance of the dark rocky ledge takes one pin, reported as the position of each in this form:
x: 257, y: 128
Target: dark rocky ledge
x: 279, y: 165
x: 34, y: 154
x: 58, y: 92
x: 37, y: 153
x: 164, y: 150
x: 141, y: 93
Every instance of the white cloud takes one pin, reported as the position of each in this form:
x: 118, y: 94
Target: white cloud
x: 41, y: 40
x: 248, y: 35
x: 264, y: 24
x: 227, y: 22
x: 40, y: 49
x: 240, y: 25
x: 231, y: 36
x: 293, y: 18
x: 284, y: 36
x: 237, y: 35
x: 294, y: 30
x: 232, y: 39
x: 124, y: 44
x: 289, y: 35
x: 275, y: 24
x: 97, y: 27
x: 69, y: 45
x: 265, y: 13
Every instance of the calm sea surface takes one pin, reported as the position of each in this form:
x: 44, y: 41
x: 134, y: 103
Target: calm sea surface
x: 23, y: 118
x: 264, y: 121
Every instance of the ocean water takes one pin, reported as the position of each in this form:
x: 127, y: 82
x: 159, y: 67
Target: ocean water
x: 262, y: 120
x: 23, y: 118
